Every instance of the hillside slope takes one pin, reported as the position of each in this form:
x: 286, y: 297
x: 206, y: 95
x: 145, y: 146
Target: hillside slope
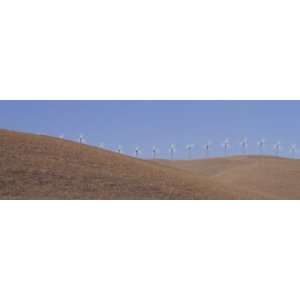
x: 41, y: 167
x: 273, y: 176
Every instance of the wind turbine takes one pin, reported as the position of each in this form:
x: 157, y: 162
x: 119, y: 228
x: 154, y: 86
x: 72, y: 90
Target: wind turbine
x: 261, y: 145
x: 154, y: 152
x: 277, y: 148
x: 293, y: 150
x: 81, y: 139
x: 207, y: 148
x: 172, y: 150
x: 61, y: 136
x: 244, y: 145
x: 137, y: 151
x: 189, y: 148
x: 120, y: 149
x: 226, y: 146
x: 101, y: 145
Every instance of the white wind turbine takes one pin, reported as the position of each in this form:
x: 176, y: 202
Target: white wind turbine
x: 120, y: 149
x: 261, y: 145
x: 226, y: 146
x: 244, y: 145
x: 154, y: 152
x: 189, y: 148
x: 277, y: 148
x: 172, y: 150
x: 293, y: 150
x: 137, y: 151
x: 207, y: 148
x: 81, y: 139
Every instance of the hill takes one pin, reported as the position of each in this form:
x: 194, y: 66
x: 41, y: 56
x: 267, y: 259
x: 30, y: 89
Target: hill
x: 275, y: 177
x: 42, y: 167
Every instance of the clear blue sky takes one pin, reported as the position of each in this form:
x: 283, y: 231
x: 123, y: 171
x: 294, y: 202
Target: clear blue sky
x: 160, y: 123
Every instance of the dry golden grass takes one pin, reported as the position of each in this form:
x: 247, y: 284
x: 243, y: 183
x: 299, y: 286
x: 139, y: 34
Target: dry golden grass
x: 42, y: 167
x: 275, y: 177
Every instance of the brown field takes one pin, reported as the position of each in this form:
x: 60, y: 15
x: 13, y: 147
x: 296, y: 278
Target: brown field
x: 275, y: 177
x: 42, y: 167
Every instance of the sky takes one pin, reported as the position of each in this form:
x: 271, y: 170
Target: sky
x: 160, y: 123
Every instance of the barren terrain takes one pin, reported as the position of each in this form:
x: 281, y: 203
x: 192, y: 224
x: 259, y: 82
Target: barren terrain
x: 275, y: 177
x: 42, y: 167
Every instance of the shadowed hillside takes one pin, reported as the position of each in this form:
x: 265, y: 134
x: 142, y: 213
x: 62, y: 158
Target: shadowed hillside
x: 274, y: 176
x: 41, y: 167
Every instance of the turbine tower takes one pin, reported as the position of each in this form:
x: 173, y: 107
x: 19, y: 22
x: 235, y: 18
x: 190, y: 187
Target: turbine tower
x: 244, y: 145
x: 81, y: 139
x: 293, y: 150
x: 189, y: 148
x: 207, y: 148
x: 120, y: 149
x: 154, y: 152
x: 172, y: 150
x: 277, y: 148
x: 137, y: 151
x: 226, y: 146
x: 261, y: 145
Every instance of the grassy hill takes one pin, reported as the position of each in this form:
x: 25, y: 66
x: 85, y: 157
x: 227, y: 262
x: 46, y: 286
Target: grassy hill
x: 42, y: 167
x: 275, y: 177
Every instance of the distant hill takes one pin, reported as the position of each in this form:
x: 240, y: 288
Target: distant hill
x: 275, y: 177
x: 42, y: 167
